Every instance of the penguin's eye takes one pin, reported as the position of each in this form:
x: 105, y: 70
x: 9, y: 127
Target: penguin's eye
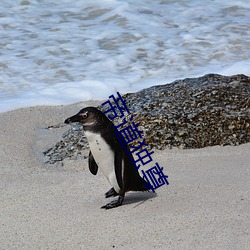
x: 84, y: 115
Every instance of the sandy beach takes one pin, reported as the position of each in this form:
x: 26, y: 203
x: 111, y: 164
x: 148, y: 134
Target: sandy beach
x: 205, y: 206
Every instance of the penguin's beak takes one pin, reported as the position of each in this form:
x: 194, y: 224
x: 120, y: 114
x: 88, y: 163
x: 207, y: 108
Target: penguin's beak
x: 74, y: 118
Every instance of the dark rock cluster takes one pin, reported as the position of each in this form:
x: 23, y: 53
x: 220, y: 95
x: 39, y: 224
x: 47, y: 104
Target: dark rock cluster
x: 190, y: 113
x: 195, y: 113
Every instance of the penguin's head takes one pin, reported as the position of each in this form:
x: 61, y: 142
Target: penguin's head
x: 88, y: 117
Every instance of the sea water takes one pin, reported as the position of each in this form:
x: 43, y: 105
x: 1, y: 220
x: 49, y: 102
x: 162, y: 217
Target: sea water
x: 61, y: 52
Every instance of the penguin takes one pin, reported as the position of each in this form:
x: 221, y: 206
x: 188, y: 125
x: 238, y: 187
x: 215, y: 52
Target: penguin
x: 107, y: 153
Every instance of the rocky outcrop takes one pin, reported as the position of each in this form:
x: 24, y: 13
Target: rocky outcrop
x: 190, y: 113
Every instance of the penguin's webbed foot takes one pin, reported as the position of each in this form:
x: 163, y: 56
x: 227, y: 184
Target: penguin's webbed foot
x: 113, y: 204
x: 111, y: 193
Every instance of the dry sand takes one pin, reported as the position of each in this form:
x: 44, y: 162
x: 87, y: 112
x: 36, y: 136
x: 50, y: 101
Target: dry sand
x: 205, y: 206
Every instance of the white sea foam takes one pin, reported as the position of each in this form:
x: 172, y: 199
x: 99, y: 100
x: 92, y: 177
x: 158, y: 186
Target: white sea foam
x: 60, y: 52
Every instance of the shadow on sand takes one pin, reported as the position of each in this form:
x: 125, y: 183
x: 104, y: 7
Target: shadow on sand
x: 137, y: 198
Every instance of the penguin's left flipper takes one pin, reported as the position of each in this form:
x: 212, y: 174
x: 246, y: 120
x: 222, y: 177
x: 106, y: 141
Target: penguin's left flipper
x: 113, y: 204
x: 93, y: 167
x: 111, y: 193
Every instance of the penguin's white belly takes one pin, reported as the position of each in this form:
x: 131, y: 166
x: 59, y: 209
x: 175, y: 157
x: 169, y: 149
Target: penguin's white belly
x: 104, y: 157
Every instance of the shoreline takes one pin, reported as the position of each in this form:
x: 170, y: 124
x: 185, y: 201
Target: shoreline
x: 206, y: 204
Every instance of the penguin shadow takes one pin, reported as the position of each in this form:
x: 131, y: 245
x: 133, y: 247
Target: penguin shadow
x: 138, y: 198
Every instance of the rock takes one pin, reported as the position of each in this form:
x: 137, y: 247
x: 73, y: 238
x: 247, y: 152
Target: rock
x: 190, y: 113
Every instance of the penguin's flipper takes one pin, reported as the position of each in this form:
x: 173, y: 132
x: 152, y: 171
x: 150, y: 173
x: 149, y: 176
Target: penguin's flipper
x: 93, y: 167
x: 113, y: 204
x: 111, y: 193
x: 118, y: 166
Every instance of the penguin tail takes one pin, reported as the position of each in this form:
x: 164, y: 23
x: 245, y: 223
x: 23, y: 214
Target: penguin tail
x: 141, y: 185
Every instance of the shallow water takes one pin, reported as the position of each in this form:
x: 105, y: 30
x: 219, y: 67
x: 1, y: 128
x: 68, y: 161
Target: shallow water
x: 62, y: 52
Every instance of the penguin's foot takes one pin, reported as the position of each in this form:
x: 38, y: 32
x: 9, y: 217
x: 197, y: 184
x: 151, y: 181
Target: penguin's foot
x: 111, y: 193
x: 113, y: 204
